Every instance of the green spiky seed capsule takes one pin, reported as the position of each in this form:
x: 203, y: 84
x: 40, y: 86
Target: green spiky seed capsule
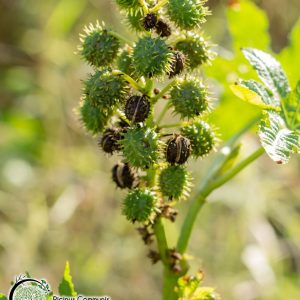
x: 105, y: 90
x: 140, y: 146
x: 128, y: 4
x: 202, y: 138
x: 174, y: 182
x: 152, y: 57
x: 189, y: 98
x: 187, y: 14
x: 196, y: 49
x: 93, y: 118
x: 99, y: 48
x: 134, y: 20
x: 124, y: 62
x: 138, y: 205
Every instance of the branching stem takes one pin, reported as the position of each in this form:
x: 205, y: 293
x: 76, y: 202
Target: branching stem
x: 130, y: 80
x: 159, y: 5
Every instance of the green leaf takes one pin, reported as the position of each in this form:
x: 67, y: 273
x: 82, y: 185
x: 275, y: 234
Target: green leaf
x: 248, y: 95
x: 66, y: 287
x: 2, y: 297
x: 266, y: 96
x: 269, y: 71
x: 278, y: 141
x: 292, y: 104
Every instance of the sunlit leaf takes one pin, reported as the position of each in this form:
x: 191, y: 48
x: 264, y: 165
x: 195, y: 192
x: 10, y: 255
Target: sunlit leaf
x: 278, y: 141
x: 250, y: 96
x: 269, y: 71
x: 66, y: 287
x: 266, y: 96
x: 292, y: 104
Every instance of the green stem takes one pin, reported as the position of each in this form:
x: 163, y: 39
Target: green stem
x: 202, y: 194
x: 162, y: 243
x: 121, y: 37
x: 162, y: 113
x: 164, y: 90
x: 160, y: 4
x: 172, y: 125
x: 129, y: 79
x: 169, y: 283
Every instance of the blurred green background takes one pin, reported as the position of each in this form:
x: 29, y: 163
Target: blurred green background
x: 57, y: 202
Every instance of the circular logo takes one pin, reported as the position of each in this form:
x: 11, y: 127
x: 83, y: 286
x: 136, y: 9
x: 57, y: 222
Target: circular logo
x: 29, y: 289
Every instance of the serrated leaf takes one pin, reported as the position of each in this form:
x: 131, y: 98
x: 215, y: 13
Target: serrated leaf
x: 292, y: 104
x: 3, y: 297
x: 250, y: 96
x: 266, y: 96
x: 66, y: 287
x: 269, y: 71
x: 278, y: 141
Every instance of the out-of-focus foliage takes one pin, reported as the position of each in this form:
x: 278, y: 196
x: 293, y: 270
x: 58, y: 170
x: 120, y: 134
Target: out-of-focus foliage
x: 56, y: 201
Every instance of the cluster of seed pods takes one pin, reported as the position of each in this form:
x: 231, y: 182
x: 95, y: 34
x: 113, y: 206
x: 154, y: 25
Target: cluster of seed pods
x: 119, y: 98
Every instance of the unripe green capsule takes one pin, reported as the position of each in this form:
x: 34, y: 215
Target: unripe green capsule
x: 174, y: 182
x: 105, y: 90
x: 124, y: 62
x: 128, y: 4
x: 187, y: 14
x: 99, y: 48
x: 138, y: 205
x: 202, y: 137
x: 189, y: 98
x: 140, y: 146
x: 196, y: 50
x: 94, y: 118
x: 134, y: 20
x: 152, y: 57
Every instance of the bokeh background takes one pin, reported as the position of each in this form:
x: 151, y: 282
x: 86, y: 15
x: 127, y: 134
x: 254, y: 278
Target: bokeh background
x: 57, y: 201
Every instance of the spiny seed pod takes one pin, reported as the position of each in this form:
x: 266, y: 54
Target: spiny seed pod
x: 124, y: 176
x: 138, y: 205
x: 150, y: 21
x: 189, y: 98
x: 196, y: 49
x: 109, y: 140
x: 128, y: 4
x: 177, y: 64
x: 98, y: 48
x: 134, y: 20
x: 163, y: 29
x: 152, y: 57
x: 124, y: 62
x: 93, y: 118
x: 174, y: 182
x: 137, y: 108
x: 178, y: 150
x: 187, y: 14
x: 140, y: 146
x: 202, y: 138
x: 105, y: 90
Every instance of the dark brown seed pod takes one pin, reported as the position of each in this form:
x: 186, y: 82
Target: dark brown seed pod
x: 177, y: 65
x: 163, y: 29
x: 146, y: 235
x: 169, y: 212
x: 124, y: 176
x: 150, y: 21
x: 156, y: 91
x: 123, y: 124
x: 109, y: 140
x: 137, y: 108
x: 178, y: 149
x: 154, y: 256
